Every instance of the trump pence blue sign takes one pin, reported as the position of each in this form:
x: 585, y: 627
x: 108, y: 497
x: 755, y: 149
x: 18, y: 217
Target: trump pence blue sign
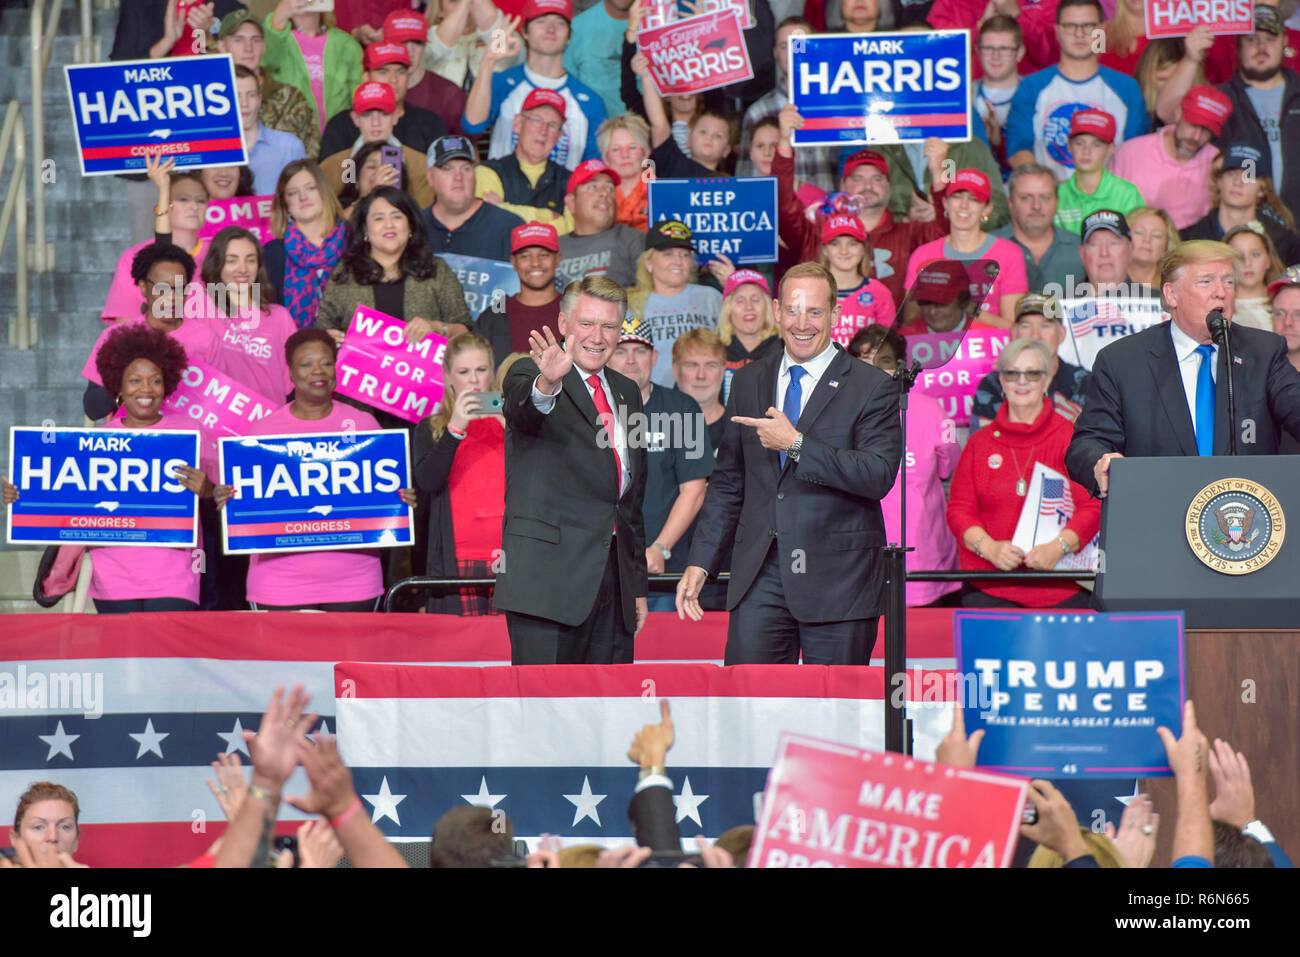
x: 316, y: 491
x: 731, y: 217
x: 184, y: 107
x: 101, y: 487
x: 881, y: 87
x: 1071, y: 695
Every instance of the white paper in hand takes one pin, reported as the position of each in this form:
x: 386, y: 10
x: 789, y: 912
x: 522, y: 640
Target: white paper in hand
x: 1049, y: 505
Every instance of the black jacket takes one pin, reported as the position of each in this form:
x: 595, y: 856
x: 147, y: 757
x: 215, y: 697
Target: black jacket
x: 562, y: 501
x: 824, y: 510
x: 1243, y: 128
x: 416, y: 128
x: 1136, y: 403
x: 547, y: 194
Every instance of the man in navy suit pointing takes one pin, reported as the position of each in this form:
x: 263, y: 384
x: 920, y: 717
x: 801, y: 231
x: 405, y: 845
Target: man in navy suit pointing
x: 811, y: 445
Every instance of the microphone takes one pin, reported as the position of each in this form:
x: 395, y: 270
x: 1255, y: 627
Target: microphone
x: 1218, y: 328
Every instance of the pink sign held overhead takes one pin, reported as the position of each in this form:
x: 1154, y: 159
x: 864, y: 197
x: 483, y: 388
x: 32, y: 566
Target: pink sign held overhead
x: 1176, y: 18
x: 832, y: 805
x: 250, y: 212
x: 702, y: 53
x: 952, y: 369
x: 377, y: 366
x: 217, y: 404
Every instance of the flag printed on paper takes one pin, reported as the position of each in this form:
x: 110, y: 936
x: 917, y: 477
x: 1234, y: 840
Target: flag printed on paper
x: 1056, y: 501
x: 1092, y: 323
x: 548, y: 745
x: 1048, y: 508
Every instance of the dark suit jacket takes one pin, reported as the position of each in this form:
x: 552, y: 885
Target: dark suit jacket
x: 824, y: 510
x: 1136, y: 403
x: 654, y: 819
x: 562, y: 502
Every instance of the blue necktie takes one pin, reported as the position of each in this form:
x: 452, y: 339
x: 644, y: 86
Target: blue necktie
x: 1205, y: 402
x: 793, y: 396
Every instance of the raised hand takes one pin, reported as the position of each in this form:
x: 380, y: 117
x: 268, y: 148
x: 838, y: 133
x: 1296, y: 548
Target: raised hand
x: 1136, y: 838
x: 553, y: 362
x: 230, y: 787
x: 331, y: 792
x: 318, y: 845
x: 274, y: 748
x: 1234, y: 795
x: 956, y: 749
x: 652, y: 742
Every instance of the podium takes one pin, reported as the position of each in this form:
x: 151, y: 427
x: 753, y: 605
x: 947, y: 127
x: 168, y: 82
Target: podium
x: 1241, y: 604
x: 1248, y: 575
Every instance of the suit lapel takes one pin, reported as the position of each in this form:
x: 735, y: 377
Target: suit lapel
x: 766, y: 383
x: 836, y: 369
x: 576, y: 389
x: 1169, y: 383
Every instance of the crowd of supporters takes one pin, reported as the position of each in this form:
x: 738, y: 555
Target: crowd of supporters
x: 388, y: 137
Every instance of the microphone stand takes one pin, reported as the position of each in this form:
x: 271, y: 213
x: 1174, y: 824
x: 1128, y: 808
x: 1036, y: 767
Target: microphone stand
x: 1219, y: 331
x: 898, y: 727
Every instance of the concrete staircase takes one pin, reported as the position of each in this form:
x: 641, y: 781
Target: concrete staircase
x: 87, y: 224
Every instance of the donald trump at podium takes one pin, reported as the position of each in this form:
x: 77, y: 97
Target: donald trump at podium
x: 1163, y: 391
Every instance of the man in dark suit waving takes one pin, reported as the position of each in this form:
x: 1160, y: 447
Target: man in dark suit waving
x: 1163, y: 391
x: 573, y: 585
x: 811, y: 445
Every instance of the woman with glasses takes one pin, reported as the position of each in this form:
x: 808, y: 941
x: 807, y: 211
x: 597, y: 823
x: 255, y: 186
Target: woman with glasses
x: 994, y: 477
x: 178, y: 217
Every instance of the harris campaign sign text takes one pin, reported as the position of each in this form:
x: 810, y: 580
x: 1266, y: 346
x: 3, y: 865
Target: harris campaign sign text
x: 881, y: 87
x: 101, y: 487
x: 184, y: 107
x: 698, y: 54
x: 318, y: 491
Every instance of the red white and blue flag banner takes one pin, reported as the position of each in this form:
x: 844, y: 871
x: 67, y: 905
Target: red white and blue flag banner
x: 1092, y: 323
x: 182, y: 107
x: 881, y: 87
x: 702, y: 53
x: 658, y: 13
x: 1177, y: 18
x: 547, y: 745
x: 317, y: 490
x: 836, y: 805
x: 101, y: 487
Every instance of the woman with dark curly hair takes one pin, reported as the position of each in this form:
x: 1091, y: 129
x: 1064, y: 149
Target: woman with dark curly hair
x: 47, y: 822
x: 141, y: 366
x: 251, y: 328
x: 314, y: 580
x: 387, y: 266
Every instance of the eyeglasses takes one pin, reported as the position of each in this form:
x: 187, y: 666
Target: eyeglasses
x: 549, y: 125
x: 998, y: 51
x: 1079, y: 27
x: 1280, y: 315
x: 1022, y: 375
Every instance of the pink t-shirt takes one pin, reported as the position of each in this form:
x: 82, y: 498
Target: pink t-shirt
x: 195, y: 336
x: 932, y: 454
x: 1181, y: 189
x: 1011, y: 278
x: 314, y: 578
x: 124, y: 299
x: 313, y: 52
x: 252, y: 350
x: 869, y: 304
x: 121, y: 573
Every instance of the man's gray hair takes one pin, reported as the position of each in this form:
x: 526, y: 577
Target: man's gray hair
x: 1030, y: 169
x: 597, y: 287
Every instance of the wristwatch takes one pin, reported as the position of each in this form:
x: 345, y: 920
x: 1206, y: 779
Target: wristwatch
x: 796, y: 447
x: 663, y: 548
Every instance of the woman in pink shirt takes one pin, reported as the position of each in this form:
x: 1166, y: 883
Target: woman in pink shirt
x: 252, y: 333
x: 314, y: 580
x: 967, y: 204
x: 141, y: 367
x: 178, y: 217
x: 932, y: 455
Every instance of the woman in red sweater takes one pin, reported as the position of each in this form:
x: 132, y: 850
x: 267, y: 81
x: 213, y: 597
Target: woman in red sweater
x: 993, y: 477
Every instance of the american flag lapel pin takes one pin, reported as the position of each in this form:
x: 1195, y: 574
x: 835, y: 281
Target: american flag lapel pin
x: 1236, y: 360
x: 834, y: 383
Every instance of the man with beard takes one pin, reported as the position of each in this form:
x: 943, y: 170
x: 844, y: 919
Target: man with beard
x: 1265, y: 100
x: 534, y: 252
x: 596, y: 246
x: 458, y: 222
x: 1171, y: 168
x: 1051, y: 253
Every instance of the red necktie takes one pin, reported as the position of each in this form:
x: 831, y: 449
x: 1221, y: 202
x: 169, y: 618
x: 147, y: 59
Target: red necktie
x: 607, y: 419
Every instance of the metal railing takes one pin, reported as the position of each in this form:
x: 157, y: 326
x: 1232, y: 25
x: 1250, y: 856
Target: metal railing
x: 419, y: 583
x: 39, y: 257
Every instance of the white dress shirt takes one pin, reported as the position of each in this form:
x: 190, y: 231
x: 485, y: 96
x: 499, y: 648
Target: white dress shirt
x: 813, y: 369
x: 1189, y: 365
x: 545, y: 403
